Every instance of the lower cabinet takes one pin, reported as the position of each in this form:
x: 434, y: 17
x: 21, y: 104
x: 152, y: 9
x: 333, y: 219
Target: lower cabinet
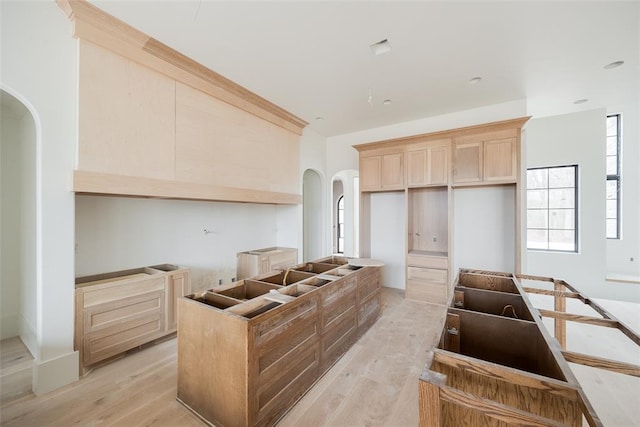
x: 118, y: 311
x: 428, y: 279
x: 247, y: 361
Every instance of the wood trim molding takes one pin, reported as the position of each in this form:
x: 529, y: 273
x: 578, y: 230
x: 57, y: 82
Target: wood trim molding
x: 117, y: 185
x: 449, y: 133
x: 96, y: 26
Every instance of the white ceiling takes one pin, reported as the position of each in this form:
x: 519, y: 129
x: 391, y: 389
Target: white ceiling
x: 313, y: 58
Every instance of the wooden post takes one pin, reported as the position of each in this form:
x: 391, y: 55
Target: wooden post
x: 429, y: 398
x: 560, y: 304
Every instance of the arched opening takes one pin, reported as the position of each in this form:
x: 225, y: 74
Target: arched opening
x: 18, y: 236
x: 312, y: 215
x: 340, y: 231
x: 345, y: 228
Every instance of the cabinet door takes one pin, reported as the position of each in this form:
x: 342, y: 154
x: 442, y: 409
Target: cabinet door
x: 178, y: 285
x: 417, y: 168
x: 392, y: 171
x: 437, y: 166
x: 500, y: 160
x: 468, y: 162
x: 370, y: 168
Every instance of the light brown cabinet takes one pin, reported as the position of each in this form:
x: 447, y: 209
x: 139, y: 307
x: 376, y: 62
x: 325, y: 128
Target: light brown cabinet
x: 247, y: 351
x: 490, y: 161
x: 118, y: 311
x: 428, y: 166
x: 260, y: 261
x: 382, y: 172
x: 436, y: 165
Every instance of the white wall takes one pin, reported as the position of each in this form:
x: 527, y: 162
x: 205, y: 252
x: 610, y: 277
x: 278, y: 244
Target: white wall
x: 115, y: 233
x: 313, y: 157
x: 39, y: 67
x: 10, y: 224
x: 620, y: 252
x: 388, y: 242
x: 484, y: 231
x: 577, y: 138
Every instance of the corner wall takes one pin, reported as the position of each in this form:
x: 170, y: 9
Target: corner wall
x: 39, y: 67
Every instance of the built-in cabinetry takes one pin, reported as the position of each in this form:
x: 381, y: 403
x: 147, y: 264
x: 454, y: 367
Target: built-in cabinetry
x: 173, y: 129
x: 429, y: 168
x: 260, y: 261
x: 382, y: 172
x: 247, y: 351
x: 118, y: 311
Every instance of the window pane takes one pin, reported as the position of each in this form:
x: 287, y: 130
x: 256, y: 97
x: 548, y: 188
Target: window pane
x: 562, y: 219
x: 537, y: 218
x: 537, y: 199
x: 612, y: 229
x: 612, y: 146
x: 612, y: 189
x: 612, y: 125
x: 562, y: 177
x: 562, y: 198
x: 537, y: 178
x: 562, y: 240
x: 612, y: 209
x: 612, y: 165
x: 537, y: 239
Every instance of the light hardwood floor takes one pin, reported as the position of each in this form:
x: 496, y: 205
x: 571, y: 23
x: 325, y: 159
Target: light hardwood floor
x: 375, y: 383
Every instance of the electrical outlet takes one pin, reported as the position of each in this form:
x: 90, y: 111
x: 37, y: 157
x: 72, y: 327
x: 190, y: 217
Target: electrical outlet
x: 632, y: 259
x: 233, y: 279
x: 219, y: 281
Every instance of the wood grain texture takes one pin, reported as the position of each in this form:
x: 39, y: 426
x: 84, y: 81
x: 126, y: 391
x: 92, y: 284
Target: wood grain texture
x: 94, y: 25
x: 280, y: 348
x: 117, y: 185
x: 602, y: 363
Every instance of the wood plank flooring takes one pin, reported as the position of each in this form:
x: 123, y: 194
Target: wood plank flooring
x: 375, y: 383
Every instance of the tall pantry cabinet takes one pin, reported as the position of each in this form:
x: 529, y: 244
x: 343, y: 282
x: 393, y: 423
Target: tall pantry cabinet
x: 428, y: 168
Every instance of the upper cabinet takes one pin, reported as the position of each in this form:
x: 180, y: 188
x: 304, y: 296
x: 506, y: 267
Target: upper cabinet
x: 154, y: 123
x: 481, y: 159
x: 428, y: 165
x: 382, y: 172
x: 476, y: 155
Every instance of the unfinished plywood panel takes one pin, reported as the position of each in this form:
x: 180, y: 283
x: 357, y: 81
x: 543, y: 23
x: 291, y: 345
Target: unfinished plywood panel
x: 218, y: 144
x: 126, y: 116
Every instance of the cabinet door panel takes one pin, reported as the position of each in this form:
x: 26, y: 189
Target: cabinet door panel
x: 417, y: 167
x: 370, y: 168
x: 392, y: 171
x: 468, y: 162
x: 178, y: 285
x: 438, y: 165
x: 500, y: 162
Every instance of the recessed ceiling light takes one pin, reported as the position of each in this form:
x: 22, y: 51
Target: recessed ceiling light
x: 613, y: 65
x: 386, y: 102
x: 580, y: 101
x: 319, y: 119
x: 474, y: 80
x: 383, y: 46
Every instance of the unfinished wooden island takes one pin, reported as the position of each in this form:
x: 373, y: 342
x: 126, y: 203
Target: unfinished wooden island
x: 249, y: 350
x: 496, y: 363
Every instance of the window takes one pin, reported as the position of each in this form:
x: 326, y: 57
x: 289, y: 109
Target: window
x: 341, y: 225
x: 552, y: 200
x: 613, y: 176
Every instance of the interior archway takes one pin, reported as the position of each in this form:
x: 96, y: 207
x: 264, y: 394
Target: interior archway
x: 18, y: 236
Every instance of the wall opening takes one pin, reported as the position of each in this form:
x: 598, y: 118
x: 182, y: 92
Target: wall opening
x: 18, y: 236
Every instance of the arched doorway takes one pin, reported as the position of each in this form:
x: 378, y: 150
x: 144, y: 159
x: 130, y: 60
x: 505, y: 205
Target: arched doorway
x: 312, y: 215
x: 18, y: 231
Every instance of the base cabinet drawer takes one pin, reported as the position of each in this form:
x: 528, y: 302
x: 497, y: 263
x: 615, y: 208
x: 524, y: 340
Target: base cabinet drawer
x: 427, y: 275
x: 435, y: 293
x: 427, y: 261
